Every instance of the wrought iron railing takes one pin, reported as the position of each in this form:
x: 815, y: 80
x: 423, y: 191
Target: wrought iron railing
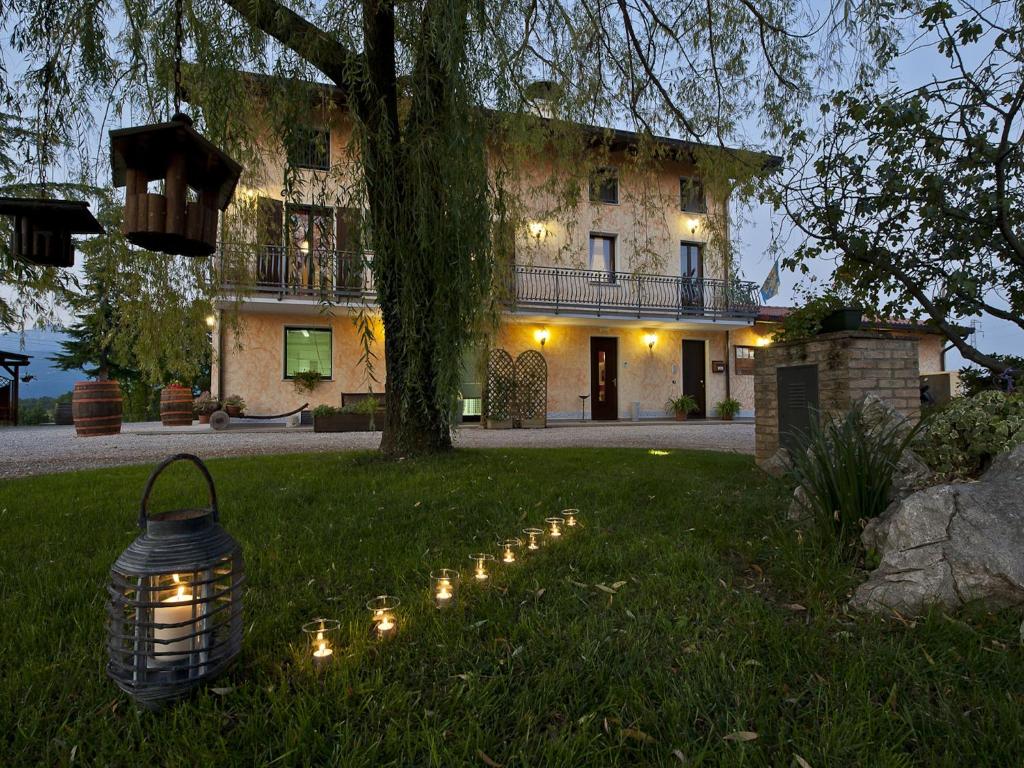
x: 324, y: 275
x: 284, y: 271
x: 602, y: 293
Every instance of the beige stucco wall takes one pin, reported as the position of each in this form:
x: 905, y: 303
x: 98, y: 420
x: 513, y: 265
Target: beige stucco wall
x: 255, y: 362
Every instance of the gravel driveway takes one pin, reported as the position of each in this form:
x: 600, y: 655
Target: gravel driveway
x: 40, y: 450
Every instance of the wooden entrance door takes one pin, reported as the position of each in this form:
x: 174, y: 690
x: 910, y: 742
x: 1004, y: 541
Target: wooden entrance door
x: 694, y: 375
x: 604, y: 381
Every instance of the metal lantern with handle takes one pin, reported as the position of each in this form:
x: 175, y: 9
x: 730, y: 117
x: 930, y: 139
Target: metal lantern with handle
x: 175, y: 613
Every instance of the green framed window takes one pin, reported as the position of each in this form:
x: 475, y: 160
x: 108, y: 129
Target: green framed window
x: 307, y: 349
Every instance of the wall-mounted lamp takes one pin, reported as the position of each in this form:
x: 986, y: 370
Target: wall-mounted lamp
x: 537, y: 230
x: 650, y: 339
x: 304, y: 246
x: 210, y: 321
x: 693, y: 224
x: 541, y: 335
x: 763, y: 341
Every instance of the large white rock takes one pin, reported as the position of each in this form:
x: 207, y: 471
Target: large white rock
x: 951, y: 544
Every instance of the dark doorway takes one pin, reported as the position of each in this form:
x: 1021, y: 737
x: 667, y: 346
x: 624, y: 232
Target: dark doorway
x: 604, y: 381
x: 798, y: 403
x: 693, y: 375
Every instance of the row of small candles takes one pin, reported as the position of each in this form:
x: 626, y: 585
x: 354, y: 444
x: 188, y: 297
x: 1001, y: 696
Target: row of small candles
x: 322, y: 633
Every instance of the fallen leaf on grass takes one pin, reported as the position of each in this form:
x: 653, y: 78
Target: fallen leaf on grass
x: 638, y: 735
x: 618, y: 585
x: 678, y: 754
x: 740, y: 736
x: 801, y: 762
x: 605, y: 588
x: 795, y: 607
x: 579, y: 584
x: 222, y: 691
x: 487, y: 760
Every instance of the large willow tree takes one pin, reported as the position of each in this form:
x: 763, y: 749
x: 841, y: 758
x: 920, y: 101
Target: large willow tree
x: 437, y: 93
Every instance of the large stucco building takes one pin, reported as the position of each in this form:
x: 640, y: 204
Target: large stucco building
x: 629, y: 305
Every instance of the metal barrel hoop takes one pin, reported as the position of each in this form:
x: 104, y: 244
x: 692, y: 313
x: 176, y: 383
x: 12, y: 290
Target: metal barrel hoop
x: 143, y: 506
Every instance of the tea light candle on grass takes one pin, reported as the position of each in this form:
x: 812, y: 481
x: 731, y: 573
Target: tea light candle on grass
x: 508, y: 550
x: 173, y: 644
x: 444, y: 583
x: 480, y: 561
x: 321, y: 634
x: 554, y: 525
x: 533, y: 538
x: 570, y: 517
x: 382, y: 608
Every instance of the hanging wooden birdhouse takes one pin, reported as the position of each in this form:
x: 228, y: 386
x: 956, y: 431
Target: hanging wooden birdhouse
x: 198, y: 181
x: 42, y: 229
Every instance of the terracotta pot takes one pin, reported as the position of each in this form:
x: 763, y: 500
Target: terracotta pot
x: 233, y: 410
x: 681, y: 415
x: 204, y: 418
x: 726, y: 417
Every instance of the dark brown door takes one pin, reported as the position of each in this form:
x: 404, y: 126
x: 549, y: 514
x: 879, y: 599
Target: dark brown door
x: 604, y: 382
x: 798, y: 403
x: 694, y: 374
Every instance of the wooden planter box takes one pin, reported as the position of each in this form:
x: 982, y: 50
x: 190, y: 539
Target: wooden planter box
x: 348, y: 422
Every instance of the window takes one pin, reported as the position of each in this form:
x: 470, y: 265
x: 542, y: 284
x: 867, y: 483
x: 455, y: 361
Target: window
x: 307, y: 349
x: 691, y: 260
x: 744, y: 360
x: 602, y: 255
x: 310, y: 148
x: 691, y: 195
x: 604, y: 186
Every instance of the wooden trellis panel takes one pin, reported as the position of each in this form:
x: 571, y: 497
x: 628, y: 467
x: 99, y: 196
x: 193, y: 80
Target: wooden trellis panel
x: 531, y: 390
x: 499, y: 397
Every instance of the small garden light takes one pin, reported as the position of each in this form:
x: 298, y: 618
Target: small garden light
x: 554, y: 525
x: 570, y: 516
x: 508, y: 550
x: 443, y: 584
x: 322, y: 634
x: 382, y: 609
x: 480, y: 561
x: 533, y: 537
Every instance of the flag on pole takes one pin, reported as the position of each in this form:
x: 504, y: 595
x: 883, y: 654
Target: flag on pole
x: 770, y: 286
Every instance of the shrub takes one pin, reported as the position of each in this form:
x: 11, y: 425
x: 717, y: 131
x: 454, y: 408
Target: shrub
x: 366, y: 406
x: 961, y: 439
x: 325, y: 410
x: 728, y: 408
x: 235, y: 400
x: 681, y: 404
x: 974, y: 380
x: 205, y: 404
x: 846, y: 469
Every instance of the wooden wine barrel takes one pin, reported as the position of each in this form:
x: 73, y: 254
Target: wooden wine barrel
x: 176, y: 406
x: 96, y: 408
x: 62, y: 415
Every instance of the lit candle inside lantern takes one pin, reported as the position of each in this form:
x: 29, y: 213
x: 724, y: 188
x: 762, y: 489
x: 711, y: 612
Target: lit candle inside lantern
x: 480, y: 560
x: 320, y: 631
x: 173, y: 643
x: 533, y: 537
x: 555, y: 525
x: 444, y: 583
x: 385, y: 624
x: 508, y: 550
x: 570, y: 517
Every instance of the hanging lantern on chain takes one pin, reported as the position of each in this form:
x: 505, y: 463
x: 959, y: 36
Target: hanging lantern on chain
x: 174, y: 619
x: 42, y: 229
x: 198, y: 179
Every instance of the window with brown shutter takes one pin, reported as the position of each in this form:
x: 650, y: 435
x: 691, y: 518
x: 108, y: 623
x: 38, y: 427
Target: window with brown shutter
x: 744, y: 360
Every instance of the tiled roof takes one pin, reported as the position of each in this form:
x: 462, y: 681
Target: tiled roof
x: 769, y: 314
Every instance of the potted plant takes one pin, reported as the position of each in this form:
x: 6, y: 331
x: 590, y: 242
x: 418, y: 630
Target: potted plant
x: 204, y: 406
x: 728, y: 408
x: 234, y: 405
x: 306, y: 381
x: 357, y: 417
x: 681, y: 406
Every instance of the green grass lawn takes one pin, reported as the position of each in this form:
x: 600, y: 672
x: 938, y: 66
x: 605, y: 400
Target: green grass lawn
x: 726, y: 621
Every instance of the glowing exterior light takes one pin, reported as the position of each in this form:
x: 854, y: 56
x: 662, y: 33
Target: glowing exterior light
x: 541, y: 335
x: 650, y: 339
x: 537, y: 230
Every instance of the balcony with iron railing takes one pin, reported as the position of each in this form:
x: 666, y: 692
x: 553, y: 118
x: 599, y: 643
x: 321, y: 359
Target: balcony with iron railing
x: 290, y: 274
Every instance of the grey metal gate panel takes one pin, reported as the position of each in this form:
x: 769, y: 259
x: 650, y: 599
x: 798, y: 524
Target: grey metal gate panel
x: 798, y: 403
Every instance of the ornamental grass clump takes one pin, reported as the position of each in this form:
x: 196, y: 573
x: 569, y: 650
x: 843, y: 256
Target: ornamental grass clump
x: 846, y: 468
x: 962, y: 438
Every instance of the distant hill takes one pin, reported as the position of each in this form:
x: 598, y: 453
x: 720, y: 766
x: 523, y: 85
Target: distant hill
x: 49, y: 381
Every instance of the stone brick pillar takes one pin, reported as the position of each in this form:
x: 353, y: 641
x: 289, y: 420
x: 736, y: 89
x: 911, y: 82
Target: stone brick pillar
x: 849, y: 365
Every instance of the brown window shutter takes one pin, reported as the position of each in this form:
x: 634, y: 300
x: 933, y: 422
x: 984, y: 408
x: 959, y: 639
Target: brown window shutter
x: 269, y: 221
x: 348, y: 224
